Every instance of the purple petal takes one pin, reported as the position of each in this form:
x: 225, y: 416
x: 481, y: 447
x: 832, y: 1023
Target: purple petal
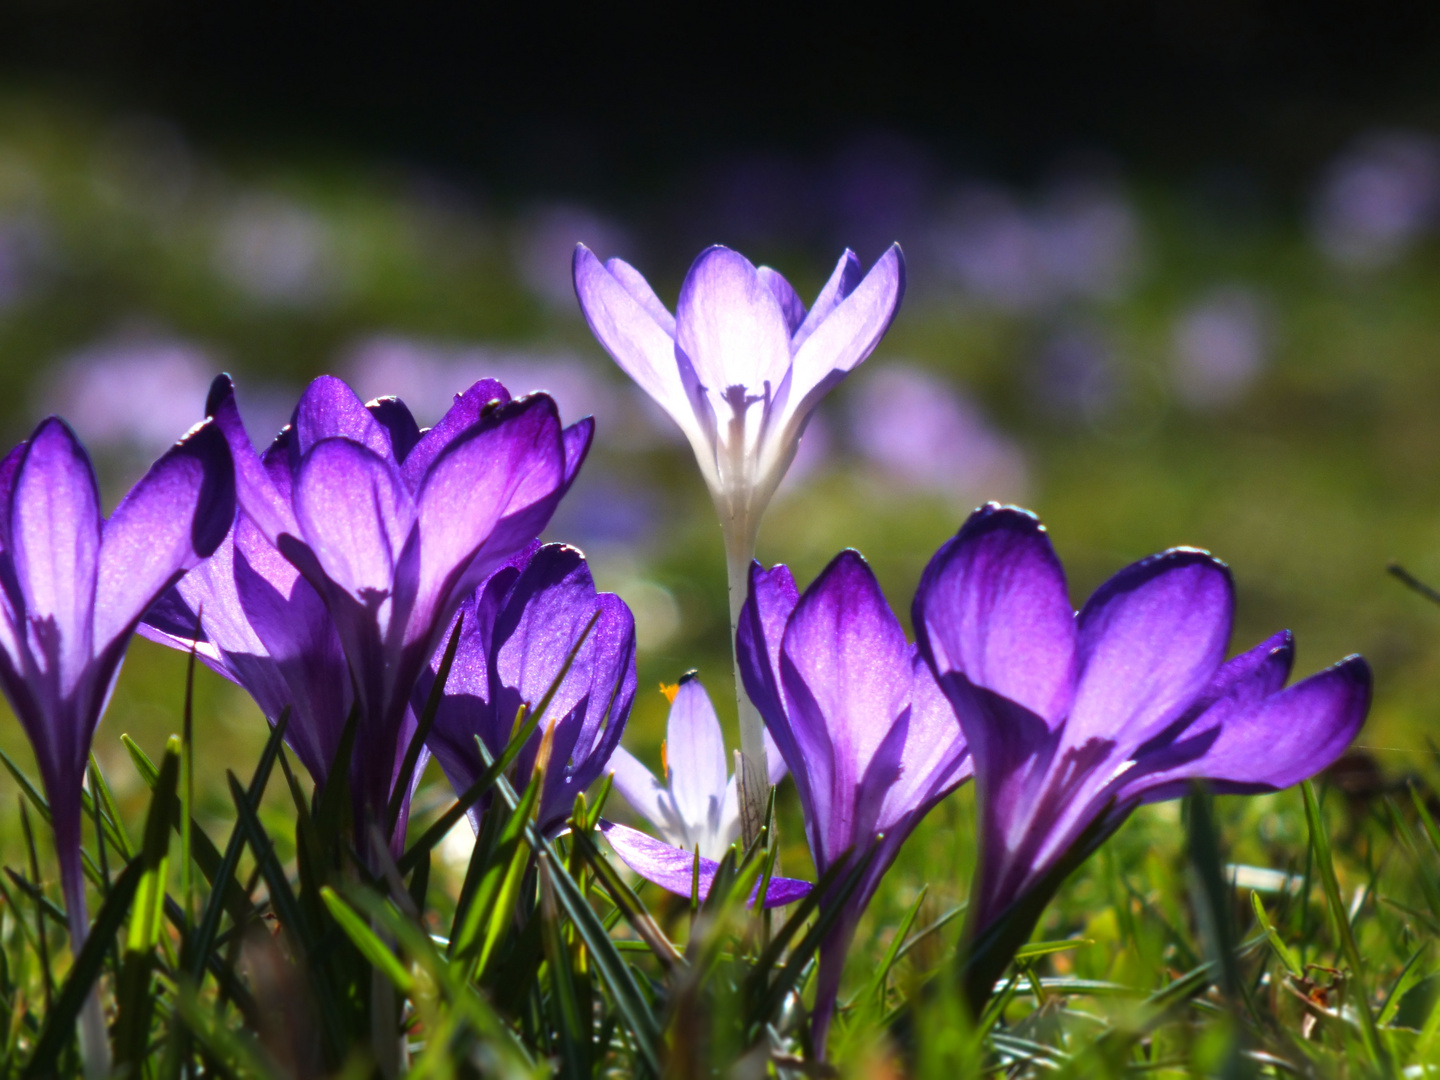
x: 330, y: 409
x: 790, y: 303
x: 674, y: 870
x: 9, y: 466
x: 1278, y: 740
x: 849, y: 334
x: 933, y: 758
x: 577, y: 438
x: 175, y: 516
x: 992, y: 606
x: 635, y: 284
x: 54, y: 543
x: 356, y: 517
x: 629, y: 331
x: 299, y: 645
x: 845, y: 670
x: 847, y: 274
x: 772, y: 597
x: 696, y: 753
x: 466, y: 411
x: 1148, y: 642
x: 511, y: 462
x: 730, y: 325
x: 398, y: 423
x: 255, y: 490
x: 638, y: 786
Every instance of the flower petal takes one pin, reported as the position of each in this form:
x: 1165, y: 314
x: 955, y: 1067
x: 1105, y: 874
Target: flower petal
x: 992, y: 606
x: 772, y: 597
x: 845, y: 672
x: 577, y: 438
x: 299, y: 645
x: 329, y: 409
x: 1148, y: 642
x: 730, y: 324
x: 632, y: 333
x: 843, y: 279
x: 696, y: 753
x: 255, y: 487
x: 1276, y: 741
x: 646, y: 795
x: 633, y: 282
x: 355, y: 515
x: 790, y: 302
x: 464, y: 413
x: 397, y: 421
x: 54, y: 543
x: 674, y: 870
x: 511, y: 462
x: 175, y: 516
x: 839, y: 341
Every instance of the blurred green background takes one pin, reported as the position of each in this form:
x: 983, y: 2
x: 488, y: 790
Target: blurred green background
x: 1161, y: 298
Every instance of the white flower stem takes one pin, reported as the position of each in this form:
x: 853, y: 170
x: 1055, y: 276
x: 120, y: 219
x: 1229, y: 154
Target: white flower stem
x: 754, y: 782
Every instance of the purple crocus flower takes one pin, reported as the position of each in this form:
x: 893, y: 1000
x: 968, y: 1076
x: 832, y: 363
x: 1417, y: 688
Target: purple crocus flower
x: 740, y: 367
x: 1074, y: 720
x: 393, y: 527
x: 73, y: 586
x: 519, y: 629
x: 869, y: 738
x: 264, y: 628
x: 696, y: 810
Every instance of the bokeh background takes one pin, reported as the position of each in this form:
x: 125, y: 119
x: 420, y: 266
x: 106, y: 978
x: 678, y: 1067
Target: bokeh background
x: 1174, y: 271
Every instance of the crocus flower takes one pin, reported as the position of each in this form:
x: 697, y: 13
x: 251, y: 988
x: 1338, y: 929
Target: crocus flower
x: 263, y: 627
x: 72, y: 588
x: 869, y: 738
x: 393, y: 527
x: 696, y: 806
x: 740, y: 367
x: 519, y: 628
x: 1076, y: 719
x: 696, y: 810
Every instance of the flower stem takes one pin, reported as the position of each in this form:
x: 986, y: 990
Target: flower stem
x: 753, y: 781
x: 94, y: 1041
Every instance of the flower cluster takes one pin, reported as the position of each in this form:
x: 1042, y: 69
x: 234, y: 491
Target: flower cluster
x: 343, y: 572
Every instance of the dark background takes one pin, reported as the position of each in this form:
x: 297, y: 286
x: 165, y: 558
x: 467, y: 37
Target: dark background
x: 541, y: 98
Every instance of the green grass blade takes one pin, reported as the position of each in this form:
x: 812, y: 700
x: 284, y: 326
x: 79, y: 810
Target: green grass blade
x: 365, y: 939
x: 1288, y: 958
x: 422, y: 729
x: 1339, y: 920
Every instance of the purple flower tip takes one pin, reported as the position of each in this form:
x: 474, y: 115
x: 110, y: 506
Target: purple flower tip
x: 673, y: 868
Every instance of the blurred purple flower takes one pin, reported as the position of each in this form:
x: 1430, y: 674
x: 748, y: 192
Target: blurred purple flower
x: 1074, y: 720
x: 73, y: 586
x: 1089, y: 238
x: 1082, y: 241
x: 869, y: 738
x: 132, y: 393
x: 923, y: 432
x: 546, y: 245
x: 1219, y: 346
x: 25, y: 253
x: 278, y: 252
x: 264, y: 628
x: 394, y: 528
x: 1377, y: 197
x: 880, y: 186
x: 519, y: 628
x: 696, y: 806
x: 1076, y: 376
